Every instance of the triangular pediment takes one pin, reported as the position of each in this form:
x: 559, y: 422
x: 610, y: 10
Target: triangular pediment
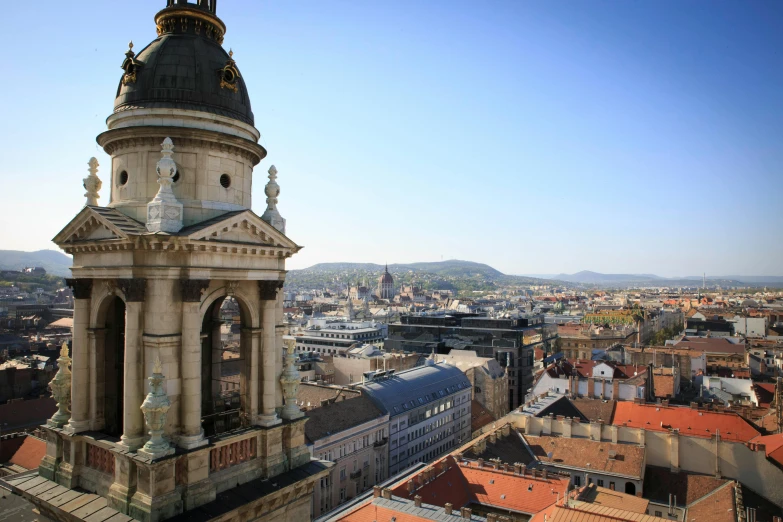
x: 239, y: 227
x: 98, y: 224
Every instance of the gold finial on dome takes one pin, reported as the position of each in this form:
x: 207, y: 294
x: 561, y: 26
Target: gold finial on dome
x: 130, y: 45
x: 230, y: 53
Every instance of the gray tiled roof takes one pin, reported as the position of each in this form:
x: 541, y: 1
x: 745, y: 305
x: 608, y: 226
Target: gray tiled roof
x: 409, y: 389
x: 120, y: 220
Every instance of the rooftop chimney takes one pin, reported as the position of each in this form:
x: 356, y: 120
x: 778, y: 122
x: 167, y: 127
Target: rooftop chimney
x: 417, y: 500
x: 465, y: 513
x: 386, y: 493
x: 376, y: 491
x: 448, y: 507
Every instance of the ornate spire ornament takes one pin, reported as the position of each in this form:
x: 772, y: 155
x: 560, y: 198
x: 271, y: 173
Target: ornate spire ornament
x: 290, y: 381
x: 272, y: 190
x: 61, y: 390
x: 155, y: 407
x: 129, y: 65
x: 164, y: 212
x: 92, y: 184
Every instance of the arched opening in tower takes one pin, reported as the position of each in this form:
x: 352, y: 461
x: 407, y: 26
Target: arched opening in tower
x: 223, y: 368
x: 113, y: 367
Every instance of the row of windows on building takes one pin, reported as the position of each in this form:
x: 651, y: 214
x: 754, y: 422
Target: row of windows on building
x: 368, y: 335
x: 351, y: 447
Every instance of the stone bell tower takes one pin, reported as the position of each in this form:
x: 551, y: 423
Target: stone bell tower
x: 158, y: 418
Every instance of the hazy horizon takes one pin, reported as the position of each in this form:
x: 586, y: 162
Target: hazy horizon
x: 535, y: 137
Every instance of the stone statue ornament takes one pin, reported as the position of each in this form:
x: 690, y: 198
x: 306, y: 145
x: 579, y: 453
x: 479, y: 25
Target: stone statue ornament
x: 164, y: 212
x: 61, y: 390
x: 272, y: 191
x: 290, y: 381
x: 154, y: 408
x: 92, y: 184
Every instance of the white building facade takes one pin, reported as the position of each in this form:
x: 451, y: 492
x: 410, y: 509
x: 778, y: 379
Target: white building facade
x: 334, y: 337
x: 429, y: 412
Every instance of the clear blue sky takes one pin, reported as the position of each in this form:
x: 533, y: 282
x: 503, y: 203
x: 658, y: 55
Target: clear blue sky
x: 535, y: 136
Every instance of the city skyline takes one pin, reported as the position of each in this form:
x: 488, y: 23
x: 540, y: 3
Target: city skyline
x: 551, y: 132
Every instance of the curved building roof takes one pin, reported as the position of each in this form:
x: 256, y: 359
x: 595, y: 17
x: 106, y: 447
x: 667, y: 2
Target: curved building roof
x: 407, y: 390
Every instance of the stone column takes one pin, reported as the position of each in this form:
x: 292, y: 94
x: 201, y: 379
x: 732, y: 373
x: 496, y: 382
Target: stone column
x: 270, y: 354
x: 133, y: 390
x: 251, y: 342
x: 97, y: 337
x: 80, y: 356
x: 192, y: 434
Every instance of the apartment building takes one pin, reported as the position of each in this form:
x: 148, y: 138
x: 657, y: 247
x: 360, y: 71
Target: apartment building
x: 429, y: 411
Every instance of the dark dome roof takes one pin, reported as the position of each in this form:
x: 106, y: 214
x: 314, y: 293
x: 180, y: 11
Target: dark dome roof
x: 386, y: 277
x: 185, y: 68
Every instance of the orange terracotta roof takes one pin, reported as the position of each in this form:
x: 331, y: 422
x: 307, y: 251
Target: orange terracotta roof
x: 465, y: 482
x: 514, y: 492
x: 451, y: 487
x: 30, y: 453
x: 773, y: 446
x: 371, y: 513
x: 612, y: 499
x: 692, y: 422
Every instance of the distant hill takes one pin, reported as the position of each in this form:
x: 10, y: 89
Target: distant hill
x: 623, y: 280
x: 453, y: 274
x: 452, y: 267
x: 586, y: 276
x: 52, y: 261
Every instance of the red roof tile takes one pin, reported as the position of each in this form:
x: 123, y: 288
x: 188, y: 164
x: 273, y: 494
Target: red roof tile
x: 30, y: 453
x: 462, y: 484
x: 514, y: 492
x: 692, y: 422
x: 372, y: 513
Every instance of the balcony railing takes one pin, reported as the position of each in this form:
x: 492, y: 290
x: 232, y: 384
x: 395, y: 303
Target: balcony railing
x: 232, y: 454
x: 356, y: 474
x: 100, y: 459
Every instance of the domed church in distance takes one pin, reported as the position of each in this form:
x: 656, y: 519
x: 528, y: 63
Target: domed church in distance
x: 149, y: 427
x: 386, y: 285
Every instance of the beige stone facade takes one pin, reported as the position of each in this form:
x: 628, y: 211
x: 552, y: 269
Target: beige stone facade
x: 148, y: 302
x: 487, y: 378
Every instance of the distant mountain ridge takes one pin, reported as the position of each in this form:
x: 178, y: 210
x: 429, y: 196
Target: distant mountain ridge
x: 450, y: 274
x: 597, y: 278
x: 52, y: 261
x: 450, y: 267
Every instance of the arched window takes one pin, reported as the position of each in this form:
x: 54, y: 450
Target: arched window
x: 223, y: 356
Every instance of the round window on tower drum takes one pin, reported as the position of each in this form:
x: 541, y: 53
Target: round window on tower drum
x: 225, y: 180
x: 122, y: 180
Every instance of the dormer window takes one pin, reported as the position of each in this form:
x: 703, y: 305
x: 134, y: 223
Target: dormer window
x: 229, y: 75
